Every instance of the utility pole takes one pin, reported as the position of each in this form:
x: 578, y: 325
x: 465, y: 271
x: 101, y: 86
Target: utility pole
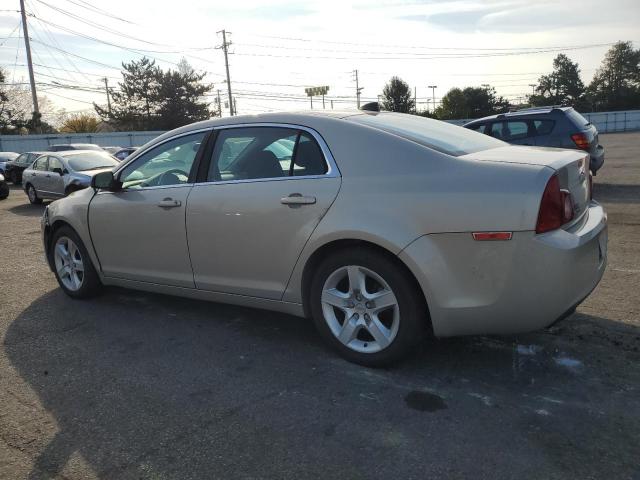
x: 34, y: 95
x: 225, y: 48
x: 433, y: 93
x: 533, y: 88
x: 358, y: 89
x: 106, y: 87
x: 219, y: 105
x: 331, y: 104
x: 415, y: 99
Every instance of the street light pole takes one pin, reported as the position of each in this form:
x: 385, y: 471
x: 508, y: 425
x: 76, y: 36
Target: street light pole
x: 433, y: 94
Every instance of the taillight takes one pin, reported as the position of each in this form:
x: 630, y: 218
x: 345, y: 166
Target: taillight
x: 581, y: 140
x: 556, y: 207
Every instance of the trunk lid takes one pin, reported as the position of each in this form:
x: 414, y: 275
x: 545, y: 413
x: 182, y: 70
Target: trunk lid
x: 571, y: 166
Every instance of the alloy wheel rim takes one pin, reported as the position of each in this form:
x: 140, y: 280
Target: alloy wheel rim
x: 360, y: 309
x: 32, y: 193
x: 69, y: 263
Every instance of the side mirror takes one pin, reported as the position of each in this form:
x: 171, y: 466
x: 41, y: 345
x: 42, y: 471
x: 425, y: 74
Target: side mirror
x: 58, y: 171
x: 105, y: 181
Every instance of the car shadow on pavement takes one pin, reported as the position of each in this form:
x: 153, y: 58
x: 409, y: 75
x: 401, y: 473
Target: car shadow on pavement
x: 27, y: 210
x: 150, y: 386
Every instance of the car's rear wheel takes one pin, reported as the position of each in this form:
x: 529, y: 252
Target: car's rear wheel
x: 72, y: 265
x: 33, y: 195
x: 367, y: 307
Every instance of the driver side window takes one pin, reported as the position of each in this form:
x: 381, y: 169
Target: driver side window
x: 167, y: 164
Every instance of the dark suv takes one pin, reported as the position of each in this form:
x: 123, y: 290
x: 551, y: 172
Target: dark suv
x: 560, y: 127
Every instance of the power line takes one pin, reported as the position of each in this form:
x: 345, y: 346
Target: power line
x: 418, y: 47
x: 80, y: 56
x: 418, y: 57
x: 99, y: 11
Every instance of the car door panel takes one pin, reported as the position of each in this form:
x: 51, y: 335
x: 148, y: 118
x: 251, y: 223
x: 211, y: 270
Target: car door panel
x: 139, y: 232
x: 245, y: 237
x: 54, y: 181
x: 136, y: 238
x: 38, y: 177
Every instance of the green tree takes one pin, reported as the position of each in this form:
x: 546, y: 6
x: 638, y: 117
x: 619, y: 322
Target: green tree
x: 180, y: 97
x: 561, y: 87
x: 397, y: 96
x: 134, y: 106
x: 616, y: 84
x: 152, y: 99
x: 472, y: 102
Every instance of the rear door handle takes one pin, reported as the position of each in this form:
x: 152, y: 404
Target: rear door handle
x: 169, y: 203
x: 297, y: 199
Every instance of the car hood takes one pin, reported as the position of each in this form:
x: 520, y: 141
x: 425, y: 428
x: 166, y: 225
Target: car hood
x: 555, y: 158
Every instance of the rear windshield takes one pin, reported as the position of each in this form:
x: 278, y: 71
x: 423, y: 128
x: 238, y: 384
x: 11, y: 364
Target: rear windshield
x: 90, y: 161
x: 440, y: 136
x: 576, y: 118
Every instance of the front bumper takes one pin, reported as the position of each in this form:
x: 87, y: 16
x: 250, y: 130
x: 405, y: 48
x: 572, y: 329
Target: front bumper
x: 507, y: 287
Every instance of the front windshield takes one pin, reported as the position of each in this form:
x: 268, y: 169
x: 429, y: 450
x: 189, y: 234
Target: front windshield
x: 441, y: 136
x: 90, y: 161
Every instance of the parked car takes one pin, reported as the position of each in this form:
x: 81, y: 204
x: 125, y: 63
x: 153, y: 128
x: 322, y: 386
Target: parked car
x: 4, y: 188
x: 124, y: 152
x: 561, y: 127
x: 63, y: 147
x: 55, y: 175
x: 380, y: 226
x: 15, y: 167
x: 4, y: 158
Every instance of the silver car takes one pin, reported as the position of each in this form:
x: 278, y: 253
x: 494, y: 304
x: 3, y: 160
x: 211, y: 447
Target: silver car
x: 381, y: 227
x: 56, y: 175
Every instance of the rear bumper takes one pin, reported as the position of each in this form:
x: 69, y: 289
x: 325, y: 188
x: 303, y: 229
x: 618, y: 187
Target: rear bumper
x: 597, y: 159
x: 507, y: 287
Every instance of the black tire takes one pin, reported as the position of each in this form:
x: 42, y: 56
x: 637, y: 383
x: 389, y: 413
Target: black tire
x: 414, y: 316
x: 91, y: 284
x: 4, y: 190
x: 33, y: 195
x: 15, y: 178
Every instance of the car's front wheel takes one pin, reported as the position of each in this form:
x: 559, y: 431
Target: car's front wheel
x: 367, y: 307
x: 33, y: 195
x: 73, y: 267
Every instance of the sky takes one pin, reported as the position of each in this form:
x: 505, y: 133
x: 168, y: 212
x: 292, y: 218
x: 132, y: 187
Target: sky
x: 280, y: 47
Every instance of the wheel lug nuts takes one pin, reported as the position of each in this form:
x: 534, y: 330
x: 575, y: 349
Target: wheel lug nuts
x: 367, y: 317
x: 368, y: 305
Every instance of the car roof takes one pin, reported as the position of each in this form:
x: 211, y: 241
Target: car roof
x: 70, y: 153
x: 522, y: 113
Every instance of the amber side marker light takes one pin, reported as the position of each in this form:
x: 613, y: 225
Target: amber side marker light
x: 495, y: 236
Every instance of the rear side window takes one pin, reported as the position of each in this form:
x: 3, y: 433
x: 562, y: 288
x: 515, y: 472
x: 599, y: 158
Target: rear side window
x: 517, y: 129
x: 440, y: 136
x: 308, y: 159
x: 576, y: 118
x: 264, y: 152
x: 510, y: 131
x: 543, y: 127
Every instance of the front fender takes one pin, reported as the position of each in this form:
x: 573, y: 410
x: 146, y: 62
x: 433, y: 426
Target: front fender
x: 73, y: 211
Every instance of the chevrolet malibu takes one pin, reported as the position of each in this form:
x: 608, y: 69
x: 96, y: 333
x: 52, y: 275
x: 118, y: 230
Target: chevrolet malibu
x: 383, y: 228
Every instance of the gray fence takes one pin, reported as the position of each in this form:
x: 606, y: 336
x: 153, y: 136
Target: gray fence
x: 35, y: 143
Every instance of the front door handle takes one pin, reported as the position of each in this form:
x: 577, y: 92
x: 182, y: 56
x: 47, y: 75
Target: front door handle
x: 33, y: 174
x: 169, y: 203
x: 297, y: 199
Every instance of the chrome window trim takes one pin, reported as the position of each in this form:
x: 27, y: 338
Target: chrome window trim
x: 332, y: 167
